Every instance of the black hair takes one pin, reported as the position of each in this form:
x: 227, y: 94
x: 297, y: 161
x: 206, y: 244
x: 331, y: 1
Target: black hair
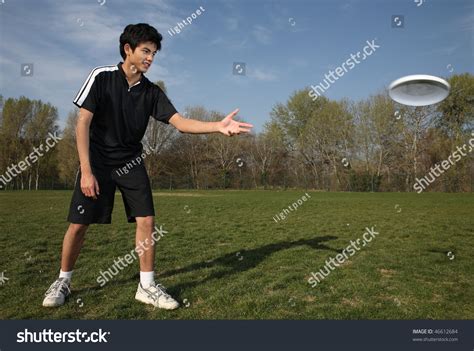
x: 134, y: 34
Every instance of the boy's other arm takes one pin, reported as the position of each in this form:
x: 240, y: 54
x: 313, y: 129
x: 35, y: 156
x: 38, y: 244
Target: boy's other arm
x: 89, y: 184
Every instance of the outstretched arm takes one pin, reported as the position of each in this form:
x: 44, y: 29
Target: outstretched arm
x: 227, y: 126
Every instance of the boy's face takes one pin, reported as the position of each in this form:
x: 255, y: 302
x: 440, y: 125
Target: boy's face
x: 142, y: 57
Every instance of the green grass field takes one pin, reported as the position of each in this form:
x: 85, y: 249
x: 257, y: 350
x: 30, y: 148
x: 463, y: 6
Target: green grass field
x: 227, y: 259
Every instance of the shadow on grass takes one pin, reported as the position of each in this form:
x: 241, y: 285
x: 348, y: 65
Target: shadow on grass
x: 240, y: 261
x: 450, y: 254
x: 441, y: 251
x: 232, y: 263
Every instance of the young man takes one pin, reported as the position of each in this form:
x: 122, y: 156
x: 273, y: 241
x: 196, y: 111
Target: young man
x: 115, y: 105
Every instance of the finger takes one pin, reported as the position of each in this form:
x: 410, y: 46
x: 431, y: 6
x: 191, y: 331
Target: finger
x: 246, y: 125
x: 92, y: 191
x: 233, y: 113
x: 97, y: 190
x: 246, y: 130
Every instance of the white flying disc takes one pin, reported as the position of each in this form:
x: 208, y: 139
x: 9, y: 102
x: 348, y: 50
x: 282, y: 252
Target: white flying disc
x: 419, y: 90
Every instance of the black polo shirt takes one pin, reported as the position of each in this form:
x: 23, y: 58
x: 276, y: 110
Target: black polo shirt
x: 121, y: 113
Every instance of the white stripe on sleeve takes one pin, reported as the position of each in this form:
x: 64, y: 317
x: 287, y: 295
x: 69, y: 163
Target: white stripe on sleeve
x: 86, y: 87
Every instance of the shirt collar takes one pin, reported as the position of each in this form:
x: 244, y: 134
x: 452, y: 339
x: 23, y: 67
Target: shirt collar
x: 122, y: 73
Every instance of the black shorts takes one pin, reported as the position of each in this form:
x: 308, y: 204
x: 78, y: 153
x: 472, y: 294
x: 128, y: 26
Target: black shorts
x: 135, y: 189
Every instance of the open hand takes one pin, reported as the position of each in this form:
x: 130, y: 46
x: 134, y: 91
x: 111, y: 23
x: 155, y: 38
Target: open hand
x: 230, y: 127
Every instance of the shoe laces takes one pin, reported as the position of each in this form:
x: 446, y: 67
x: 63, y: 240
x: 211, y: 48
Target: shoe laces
x: 57, y: 288
x: 159, y: 290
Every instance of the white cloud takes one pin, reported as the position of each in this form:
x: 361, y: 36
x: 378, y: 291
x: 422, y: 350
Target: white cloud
x: 232, y: 23
x: 441, y: 51
x: 63, y: 51
x: 298, y: 62
x: 229, y: 44
x: 261, y: 75
x: 347, y: 6
x: 467, y: 23
x: 262, y: 34
x: 217, y: 41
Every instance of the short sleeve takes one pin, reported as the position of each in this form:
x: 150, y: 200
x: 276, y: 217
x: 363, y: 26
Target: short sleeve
x: 88, y: 97
x: 163, y: 109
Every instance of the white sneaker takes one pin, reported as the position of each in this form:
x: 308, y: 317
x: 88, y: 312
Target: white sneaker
x: 57, y: 293
x: 157, y: 296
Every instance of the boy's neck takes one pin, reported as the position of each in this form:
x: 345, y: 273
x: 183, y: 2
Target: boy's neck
x: 132, y: 77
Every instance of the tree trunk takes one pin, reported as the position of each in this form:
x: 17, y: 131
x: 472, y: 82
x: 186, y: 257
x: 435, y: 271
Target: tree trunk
x: 37, y: 175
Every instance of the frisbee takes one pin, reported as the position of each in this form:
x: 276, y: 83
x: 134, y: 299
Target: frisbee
x: 419, y: 90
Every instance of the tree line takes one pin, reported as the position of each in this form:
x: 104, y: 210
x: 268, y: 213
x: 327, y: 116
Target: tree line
x: 373, y: 144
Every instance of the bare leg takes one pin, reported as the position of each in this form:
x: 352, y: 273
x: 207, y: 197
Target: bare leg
x: 144, y: 239
x: 154, y: 294
x: 72, y: 244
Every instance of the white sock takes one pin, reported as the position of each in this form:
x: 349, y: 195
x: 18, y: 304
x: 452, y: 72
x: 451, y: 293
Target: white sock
x: 147, y: 278
x: 67, y: 275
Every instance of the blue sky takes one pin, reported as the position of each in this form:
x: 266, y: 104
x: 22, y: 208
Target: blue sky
x: 286, y: 45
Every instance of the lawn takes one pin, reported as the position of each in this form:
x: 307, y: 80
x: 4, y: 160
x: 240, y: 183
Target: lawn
x: 224, y: 257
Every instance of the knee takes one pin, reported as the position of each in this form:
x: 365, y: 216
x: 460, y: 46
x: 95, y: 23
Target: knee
x: 146, y: 223
x: 78, y: 229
